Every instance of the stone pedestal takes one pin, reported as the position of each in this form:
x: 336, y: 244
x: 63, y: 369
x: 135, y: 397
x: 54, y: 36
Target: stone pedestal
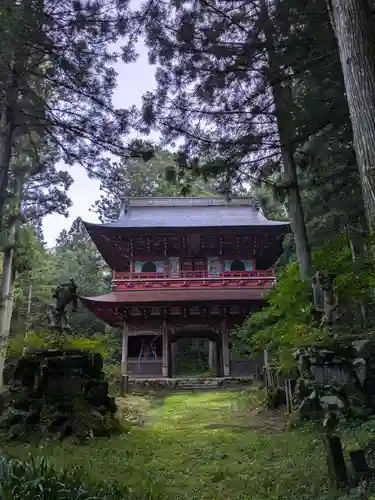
x: 58, y: 393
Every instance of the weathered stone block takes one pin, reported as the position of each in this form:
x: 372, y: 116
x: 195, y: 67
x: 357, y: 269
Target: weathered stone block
x: 97, y: 362
x: 369, y: 385
x: 32, y: 416
x: 17, y: 431
x: 361, y: 370
x: 64, y: 383
x: 336, y: 462
x: 75, y: 362
x: 58, y: 419
x: 56, y: 392
x: 97, y: 392
x: 362, y: 349
x: 11, y: 417
x: 339, y: 375
x: 332, y: 403
x: 309, y: 406
x: 26, y: 372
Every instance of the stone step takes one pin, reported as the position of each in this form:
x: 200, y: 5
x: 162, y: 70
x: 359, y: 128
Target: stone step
x: 197, y: 386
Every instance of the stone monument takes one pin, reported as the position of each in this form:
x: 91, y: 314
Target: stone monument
x: 59, y: 392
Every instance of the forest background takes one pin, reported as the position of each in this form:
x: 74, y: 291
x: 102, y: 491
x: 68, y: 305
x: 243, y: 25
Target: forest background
x: 264, y: 99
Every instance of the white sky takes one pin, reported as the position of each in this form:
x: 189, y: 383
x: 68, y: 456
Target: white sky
x: 133, y: 81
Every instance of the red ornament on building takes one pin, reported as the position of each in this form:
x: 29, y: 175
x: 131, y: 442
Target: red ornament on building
x: 184, y: 267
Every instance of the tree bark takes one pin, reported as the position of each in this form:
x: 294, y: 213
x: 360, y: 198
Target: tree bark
x: 284, y: 119
x: 353, y: 24
x: 5, y: 296
x: 10, y: 305
x: 6, y: 145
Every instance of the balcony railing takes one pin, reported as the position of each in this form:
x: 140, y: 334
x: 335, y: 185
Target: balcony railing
x: 255, y: 274
x: 194, y: 279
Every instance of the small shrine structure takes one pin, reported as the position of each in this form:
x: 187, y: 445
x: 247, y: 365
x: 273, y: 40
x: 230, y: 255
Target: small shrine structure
x: 184, y: 268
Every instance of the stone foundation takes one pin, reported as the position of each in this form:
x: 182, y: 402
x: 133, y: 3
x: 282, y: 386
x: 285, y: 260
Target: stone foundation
x: 58, y: 393
x: 339, y: 379
x: 186, y: 383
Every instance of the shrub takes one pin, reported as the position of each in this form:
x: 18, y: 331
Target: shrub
x: 38, y: 478
x: 113, y: 376
x: 287, y: 322
x: 38, y: 340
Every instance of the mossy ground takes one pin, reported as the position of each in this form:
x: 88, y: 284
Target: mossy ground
x: 207, y: 446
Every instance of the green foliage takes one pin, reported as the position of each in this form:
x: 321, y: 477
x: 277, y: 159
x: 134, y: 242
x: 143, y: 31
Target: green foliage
x: 161, y: 176
x: 113, y: 375
x: 38, y: 478
x: 92, y: 344
x: 355, y: 280
x: 191, y: 357
x: 235, y: 448
x: 28, y: 251
x: 38, y: 340
x: 75, y: 257
x: 33, y: 340
x: 287, y: 322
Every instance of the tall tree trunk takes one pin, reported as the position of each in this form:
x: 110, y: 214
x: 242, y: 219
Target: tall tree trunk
x: 10, y: 305
x: 6, y: 145
x: 282, y: 101
x: 353, y: 23
x: 8, y: 274
x: 5, y: 293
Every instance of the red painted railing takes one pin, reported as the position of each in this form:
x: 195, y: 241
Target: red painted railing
x: 261, y: 279
x: 122, y: 276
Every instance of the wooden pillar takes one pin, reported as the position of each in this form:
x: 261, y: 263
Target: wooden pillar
x: 173, y: 364
x: 165, y: 341
x: 225, y: 348
x: 211, y: 355
x: 219, y: 364
x: 169, y: 358
x: 124, y: 360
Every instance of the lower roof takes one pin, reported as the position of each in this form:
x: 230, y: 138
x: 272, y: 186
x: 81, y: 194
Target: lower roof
x: 160, y: 297
x: 109, y: 307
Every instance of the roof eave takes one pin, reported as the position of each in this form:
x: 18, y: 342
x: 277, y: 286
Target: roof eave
x: 115, y: 225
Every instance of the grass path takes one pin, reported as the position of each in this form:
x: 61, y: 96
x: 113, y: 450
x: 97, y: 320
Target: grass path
x: 204, y: 446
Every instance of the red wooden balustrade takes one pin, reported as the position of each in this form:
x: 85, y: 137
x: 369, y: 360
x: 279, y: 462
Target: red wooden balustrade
x: 256, y: 274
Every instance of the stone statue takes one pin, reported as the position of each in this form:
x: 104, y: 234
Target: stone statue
x: 64, y: 295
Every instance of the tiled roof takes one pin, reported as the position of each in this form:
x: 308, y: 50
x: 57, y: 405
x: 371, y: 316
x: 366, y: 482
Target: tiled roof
x: 164, y: 296
x: 210, y: 211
